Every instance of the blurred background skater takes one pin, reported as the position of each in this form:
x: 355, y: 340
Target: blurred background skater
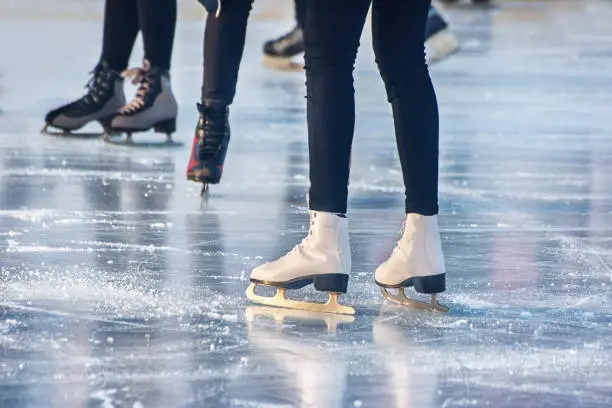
x: 323, y: 257
x: 154, y: 105
x: 224, y: 39
x: 475, y: 2
x: 280, y: 53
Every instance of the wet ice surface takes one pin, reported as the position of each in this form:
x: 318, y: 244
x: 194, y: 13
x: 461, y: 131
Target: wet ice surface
x: 118, y: 288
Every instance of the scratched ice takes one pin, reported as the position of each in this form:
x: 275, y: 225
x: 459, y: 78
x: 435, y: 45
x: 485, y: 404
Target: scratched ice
x: 118, y: 289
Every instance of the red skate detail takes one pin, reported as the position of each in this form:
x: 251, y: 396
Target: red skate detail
x: 194, y: 167
x: 199, y: 173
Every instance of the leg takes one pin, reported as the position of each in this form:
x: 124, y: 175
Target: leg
x: 224, y: 39
x: 331, y: 48
x: 154, y: 105
x: 398, y: 29
x: 157, y: 20
x: 120, y: 31
x: 398, y: 34
x: 323, y: 258
x: 223, y: 45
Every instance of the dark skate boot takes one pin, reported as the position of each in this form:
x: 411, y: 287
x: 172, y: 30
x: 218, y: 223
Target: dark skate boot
x: 153, y: 106
x: 279, y: 53
x: 103, y: 99
x: 210, y: 142
x: 439, y: 42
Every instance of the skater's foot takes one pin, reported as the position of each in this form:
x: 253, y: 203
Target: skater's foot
x: 323, y: 258
x: 210, y: 143
x: 103, y: 99
x: 417, y: 261
x: 279, y: 53
x: 439, y: 41
x: 153, y: 106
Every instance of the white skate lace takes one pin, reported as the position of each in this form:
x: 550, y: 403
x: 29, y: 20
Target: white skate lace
x: 401, y: 234
x: 304, y: 241
x: 137, y: 75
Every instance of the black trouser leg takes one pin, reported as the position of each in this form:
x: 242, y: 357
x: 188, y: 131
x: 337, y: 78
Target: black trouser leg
x: 120, y: 31
x: 223, y: 45
x: 157, y: 19
x: 398, y: 34
x: 332, y: 29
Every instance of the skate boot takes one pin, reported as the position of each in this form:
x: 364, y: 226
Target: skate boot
x: 439, y: 42
x: 418, y: 261
x: 153, y: 105
x: 103, y: 99
x: 210, y: 144
x: 322, y: 258
x: 278, y: 53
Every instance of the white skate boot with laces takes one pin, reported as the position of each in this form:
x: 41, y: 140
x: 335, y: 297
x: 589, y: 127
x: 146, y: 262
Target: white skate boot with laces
x: 323, y: 258
x: 417, y: 261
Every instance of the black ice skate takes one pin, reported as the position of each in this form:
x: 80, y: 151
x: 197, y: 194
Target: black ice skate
x: 103, y: 99
x: 279, y: 53
x: 210, y: 143
x: 153, y: 106
x: 439, y: 41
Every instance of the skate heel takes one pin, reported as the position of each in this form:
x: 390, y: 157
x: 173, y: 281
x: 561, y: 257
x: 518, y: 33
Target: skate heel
x: 167, y: 126
x: 336, y: 283
x: 430, y: 284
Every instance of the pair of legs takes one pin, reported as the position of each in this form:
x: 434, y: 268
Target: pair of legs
x: 397, y: 31
x: 279, y: 53
x: 332, y: 30
x: 123, y: 19
x: 105, y: 101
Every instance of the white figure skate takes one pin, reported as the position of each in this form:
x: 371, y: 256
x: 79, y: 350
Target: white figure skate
x: 322, y: 258
x: 417, y: 261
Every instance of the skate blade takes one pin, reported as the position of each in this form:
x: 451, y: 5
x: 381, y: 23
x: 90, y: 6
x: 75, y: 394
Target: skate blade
x: 128, y: 141
x: 279, y: 300
x: 279, y: 315
x: 282, y: 64
x: 50, y: 131
x: 204, y: 195
x: 401, y: 299
x: 441, y: 45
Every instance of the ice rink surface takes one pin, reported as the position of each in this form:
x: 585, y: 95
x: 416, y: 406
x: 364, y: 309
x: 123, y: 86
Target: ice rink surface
x: 119, y: 287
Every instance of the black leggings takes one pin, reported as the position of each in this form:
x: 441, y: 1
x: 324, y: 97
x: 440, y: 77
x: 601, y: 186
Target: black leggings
x: 122, y: 21
x: 223, y: 45
x: 332, y: 30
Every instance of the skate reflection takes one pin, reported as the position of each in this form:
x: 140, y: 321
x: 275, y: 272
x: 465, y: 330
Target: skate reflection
x: 278, y: 315
x: 304, y: 374
x: 410, y: 381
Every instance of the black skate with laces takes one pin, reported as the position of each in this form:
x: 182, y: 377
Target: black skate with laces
x: 103, y: 99
x: 153, y: 106
x: 210, y: 143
